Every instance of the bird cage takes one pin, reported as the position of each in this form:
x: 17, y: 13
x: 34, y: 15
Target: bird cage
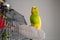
x: 15, y: 19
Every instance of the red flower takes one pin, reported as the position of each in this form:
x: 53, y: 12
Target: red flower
x: 2, y: 23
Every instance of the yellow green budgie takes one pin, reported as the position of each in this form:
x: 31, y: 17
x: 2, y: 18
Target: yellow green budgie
x: 35, y: 18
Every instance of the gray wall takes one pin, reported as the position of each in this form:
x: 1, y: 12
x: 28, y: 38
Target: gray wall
x: 49, y: 11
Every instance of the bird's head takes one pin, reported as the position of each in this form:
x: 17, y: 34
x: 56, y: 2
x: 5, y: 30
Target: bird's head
x: 34, y: 10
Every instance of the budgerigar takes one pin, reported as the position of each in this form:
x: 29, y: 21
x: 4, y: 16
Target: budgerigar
x: 35, y: 19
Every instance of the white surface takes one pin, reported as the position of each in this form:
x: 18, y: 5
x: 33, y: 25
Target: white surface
x: 31, y: 32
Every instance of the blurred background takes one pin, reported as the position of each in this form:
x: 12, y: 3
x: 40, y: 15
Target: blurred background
x: 49, y: 11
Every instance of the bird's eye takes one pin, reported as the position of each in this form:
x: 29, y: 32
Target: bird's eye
x: 34, y: 8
